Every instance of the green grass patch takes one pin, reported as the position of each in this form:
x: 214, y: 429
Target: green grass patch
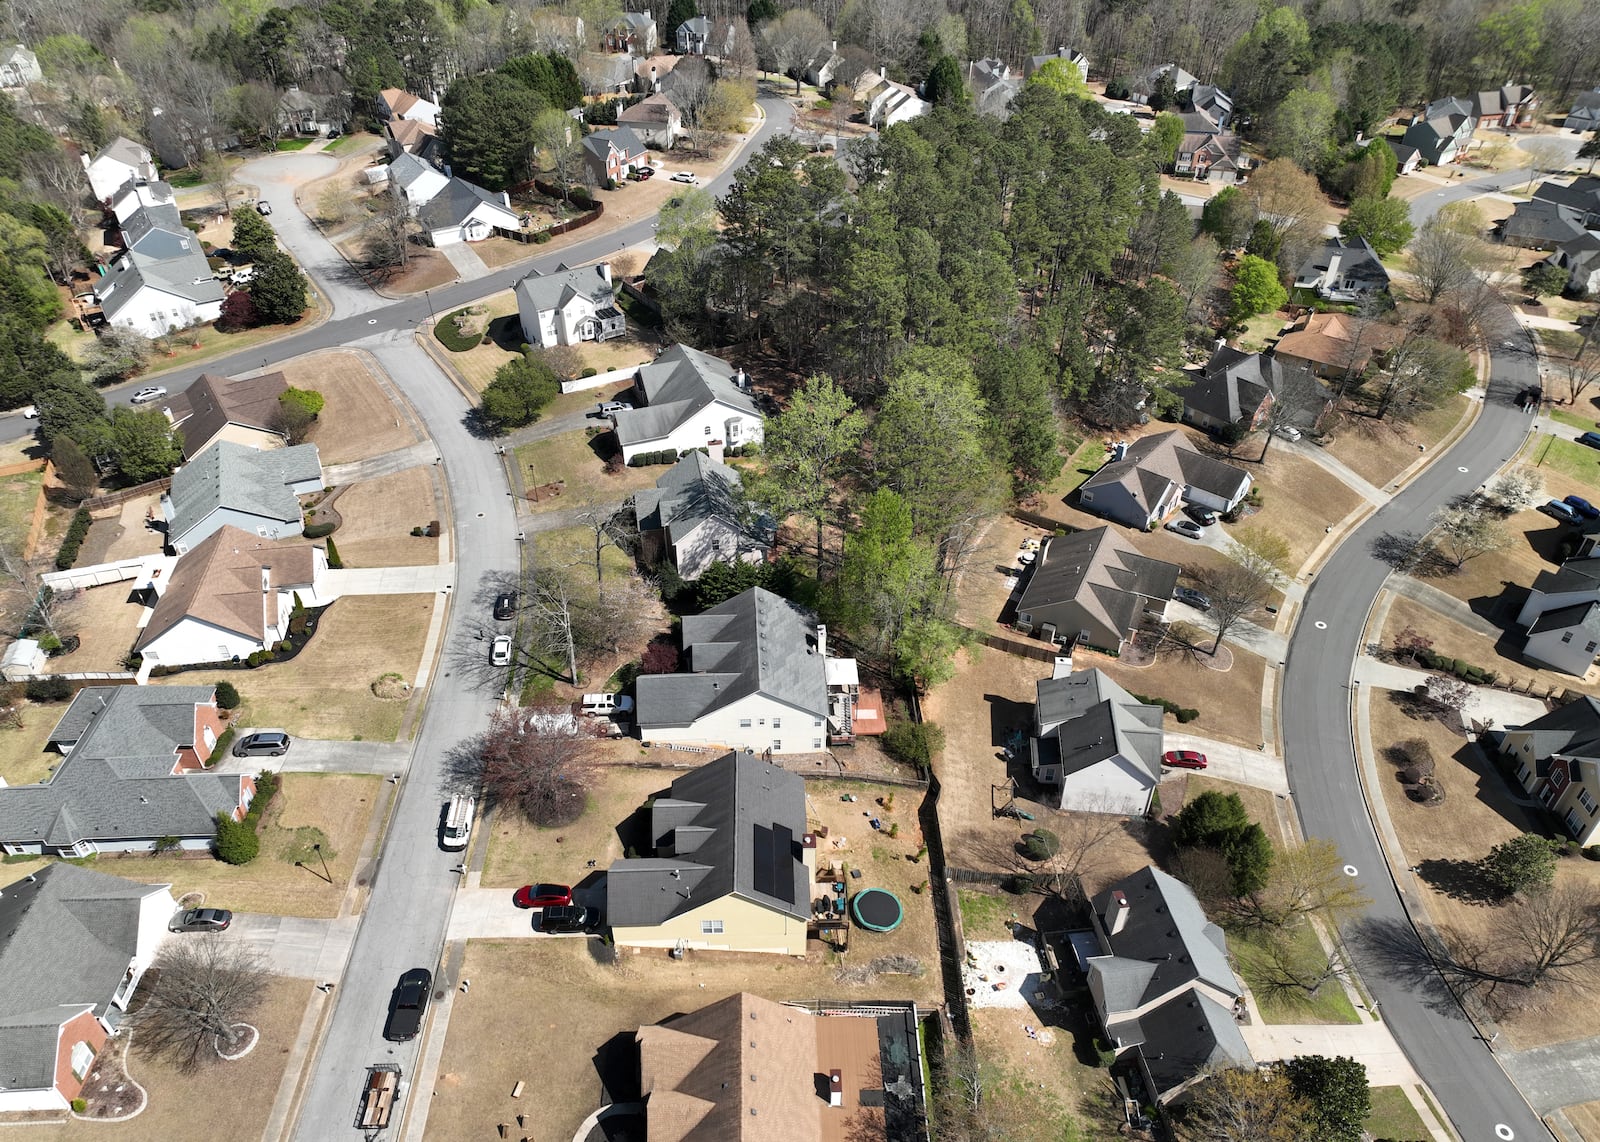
x: 294, y: 144
x: 450, y: 337
x: 984, y: 914
x: 1571, y: 459
x: 1085, y: 461
x: 1571, y: 419
x: 183, y: 179
x: 1259, y: 331
x: 18, y: 495
x: 1393, y: 1116
x: 339, y: 144
x: 301, y: 845
x: 1328, y: 1004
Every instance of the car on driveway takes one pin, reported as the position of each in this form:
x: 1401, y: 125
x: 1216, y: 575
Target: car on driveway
x: 1555, y: 509
x: 1184, y: 759
x: 1582, y: 506
x: 1187, y: 528
x: 505, y: 605
x: 1592, y: 439
x: 262, y: 743
x: 500, y: 651
x: 567, y: 918
x: 408, y: 1006
x: 543, y: 896
x: 642, y: 173
x: 1287, y: 431
x: 1205, y: 517
x: 147, y: 394
x: 685, y: 176
x: 201, y: 920
x: 1194, y: 598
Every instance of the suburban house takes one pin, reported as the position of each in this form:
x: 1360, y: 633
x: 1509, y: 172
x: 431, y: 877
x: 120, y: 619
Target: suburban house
x: 839, y: 1074
x: 1514, y: 105
x: 655, y: 119
x: 411, y: 137
x: 216, y: 408
x: 1406, y: 158
x: 1070, y: 55
x: 396, y: 104
x: 1162, y: 985
x: 1154, y: 474
x: 1241, y: 388
x: 465, y: 212
x: 1564, y: 219
x: 610, y: 155
x: 687, y: 399
x: 1343, y: 271
x: 1562, y: 617
x: 228, y: 597
x: 696, y: 515
x: 1182, y: 81
x: 993, y: 85
x: 820, y: 69
x: 136, y: 194
x: 307, y: 113
x: 569, y: 306
x: 1207, y: 108
x: 757, y: 676
x: 730, y: 867
x: 119, y: 161
x: 419, y: 180
x: 161, y: 281
x: 889, y: 102
x: 1096, y: 747
x: 1558, y: 761
x: 1581, y: 259
x: 1208, y: 156
x: 1093, y: 587
x: 255, y: 491
x: 606, y: 73
x: 1585, y: 112
x: 132, y: 776
x: 1442, y: 132
x: 698, y: 36
x: 74, y: 944
x: 633, y: 32
x: 1334, y: 345
x: 19, y: 67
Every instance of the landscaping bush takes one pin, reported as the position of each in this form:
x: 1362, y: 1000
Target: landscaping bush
x: 913, y: 743
x: 48, y: 689
x: 227, y: 695
x: 1182, y: 713
x: 79, y: 1105
x: 333, y: 555
x: 1592, y: 852
x: 67, y: 554
x: 237, y: 842
x: 1105, y: 1052
x: 450, y: 337
x: 590, y: 373
x: 1041, y: 844
x: 259, y: 657
x: 541, y: 237
x: 267, y: 785
x: 1019, y: 884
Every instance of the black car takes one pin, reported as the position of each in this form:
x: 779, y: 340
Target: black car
x: 1205, y: 517
x: 409, y: 1005
x: 201, y: 920
x: 505, y: 605
x: 570, y: 918
x: 1592, y: 439
x: 1194, y: 598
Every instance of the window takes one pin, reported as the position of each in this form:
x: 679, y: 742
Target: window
x: 744, y: 723
x: 816, y: 723
x: 1523, y: 774
x: 1590, y: 648
x: 210, y: 737
x: 777, y: 744
x: 1587, y: 801
x: 777, y: 723
x: 82, y: 1059
x: 816, y: 743
x: 708, y: 430
x: 1567, y: 637
x: 1558, y: 776
x: 711, y: 927
x: 1574, y: 822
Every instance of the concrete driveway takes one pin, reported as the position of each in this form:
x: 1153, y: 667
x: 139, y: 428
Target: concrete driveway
x: 293, y: 945
x: 420, y: 580
x: 488, y: 913
x: 311, y: 755
x: 1234, y: 763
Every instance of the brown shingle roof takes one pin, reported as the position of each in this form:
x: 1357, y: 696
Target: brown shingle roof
x: 409, y: 133
x: 1330, y: 338
x: 212, y: 403
x: 655, y: 111
x: 219, y: 582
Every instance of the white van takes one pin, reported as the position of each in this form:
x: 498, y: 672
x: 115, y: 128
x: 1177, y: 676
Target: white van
x: 457, y: 828
x: 604, y: 705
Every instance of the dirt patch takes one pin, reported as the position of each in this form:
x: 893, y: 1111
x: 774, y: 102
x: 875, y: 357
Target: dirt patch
x: 1378, y: 451
x: 22, y: 757
x: 358, y: 420
x: 124, y: 533
x: 378, y: 518
x: 105, y: 621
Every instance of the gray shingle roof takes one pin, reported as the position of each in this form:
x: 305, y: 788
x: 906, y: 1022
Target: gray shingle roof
x: 1100, y: 571
x: 676, y: 385
x: 732, y: 827
x: 1152, y: 463
x: 599, y: 143
x: 753, y: 643
x: 454, y: 204
x: 1165, y: 944
x: 546, y: 292
x: 67, y: 935
x: 1573, y: 575
x: 1356, y: 261
x: 1233, y: 384
x: 692, y: 491
x: 407, y: 168
x: 125, y: 150
x: 162, y: 254
x: 1572, y: 730
x: 1541, y: 222
x: 230, y: 475
x: 1092, y: 718
x: 1188, y: 1036
x: 1579, y: 616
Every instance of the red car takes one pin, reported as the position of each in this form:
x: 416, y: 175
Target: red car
x: 543, y: 896
x: 1184, y: 759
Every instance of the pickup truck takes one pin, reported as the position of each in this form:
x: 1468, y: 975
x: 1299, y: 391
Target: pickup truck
x: 409, y: 1005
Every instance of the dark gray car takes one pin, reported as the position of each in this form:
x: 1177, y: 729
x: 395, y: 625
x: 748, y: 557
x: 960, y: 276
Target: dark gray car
x: 262, y: 743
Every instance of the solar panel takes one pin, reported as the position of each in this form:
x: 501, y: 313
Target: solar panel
x: 763, y: 872
x: 772, y: 853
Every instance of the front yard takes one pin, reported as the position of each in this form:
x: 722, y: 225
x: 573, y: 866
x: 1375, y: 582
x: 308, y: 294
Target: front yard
x: 1453, y: 639
x: 359, y: 419
x: 1378, y: 451
x: 379, y: 515
x: 573, y: 461
x: 1534, y: 546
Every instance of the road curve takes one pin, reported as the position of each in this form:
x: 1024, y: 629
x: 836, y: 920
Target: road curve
x: 1480, y: 1100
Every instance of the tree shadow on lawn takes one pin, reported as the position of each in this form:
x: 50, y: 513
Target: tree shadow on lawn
x: 506, y: 333
x: 1458, y: 879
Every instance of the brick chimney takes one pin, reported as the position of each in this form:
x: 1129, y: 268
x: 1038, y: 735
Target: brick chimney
x: 835, y: 1088
x: 1117, y: 913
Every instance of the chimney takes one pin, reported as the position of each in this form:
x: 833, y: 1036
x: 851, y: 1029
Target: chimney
x: 883, y: 71
x: 714, y: 451
x: 741, y: 382
x: 1063, y: 666
x: 505, y: 199
x: 822, y: 640
x: 605, y: 272
x: 835, y: 1088
x: 1117, y: 914
x: 833, y: 46
x: 655, y: 84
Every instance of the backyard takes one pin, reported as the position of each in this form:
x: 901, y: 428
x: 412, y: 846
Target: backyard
x: 105, y: 620
x: 22, y: 757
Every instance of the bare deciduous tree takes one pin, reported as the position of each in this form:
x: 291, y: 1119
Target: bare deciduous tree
x: 790, y: 43
x: 204, y: 991
x: 386, y: 236
x: 1445, y: 256
x: 1246, y: 1106
x: 1307, y: 880
x: 1236, y: 590
x: 538, y: 760
x: 1581, y: 373
x: 1467, y: 530
x: 1516, y: 488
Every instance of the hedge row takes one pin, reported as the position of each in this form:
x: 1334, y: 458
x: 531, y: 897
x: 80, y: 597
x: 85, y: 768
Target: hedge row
x: 1182, y: 713
x: 450, y: 337
x: 76, y: 531
x: 319, y: 530
x: 648, y: 459
x: 1459, y: 667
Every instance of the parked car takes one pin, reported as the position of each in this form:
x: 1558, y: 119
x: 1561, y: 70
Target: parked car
x: 610, y: 406
x: 147, y: 394
x: 1184, y: 759
x: 500, y: 651
x: 201, y: 920
x: 566, y: 918
x: 262, y: 743
x: 1194, y: 598
x: 1555, y: 509
x: 1287, y: 431
x: 1187, y: 528
x: 642, y: 173
x: 30, y: 412
x: 685, y: 176
x: 1582, y: 506
x: 455, y: 826
x: 543, y: 896
x: 1592, y: 439
x: 263, y: 207
x: 1205, y: 517
x: 604, y: 705
x: 408, y: 1006
x: 505, y: 605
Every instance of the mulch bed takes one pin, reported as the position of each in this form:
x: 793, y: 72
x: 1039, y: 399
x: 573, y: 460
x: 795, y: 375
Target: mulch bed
x: 108, y: 1090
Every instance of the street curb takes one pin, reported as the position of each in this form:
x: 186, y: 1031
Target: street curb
x: 449, y: 370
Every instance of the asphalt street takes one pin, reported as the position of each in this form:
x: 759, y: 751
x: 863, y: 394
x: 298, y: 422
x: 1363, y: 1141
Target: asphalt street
x: 1475, y: 1093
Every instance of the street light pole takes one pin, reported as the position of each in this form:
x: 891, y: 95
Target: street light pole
x: 427, y: 294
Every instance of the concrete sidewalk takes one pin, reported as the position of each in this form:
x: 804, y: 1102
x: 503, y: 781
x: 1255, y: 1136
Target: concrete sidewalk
x: 1485, y: 704
x: 423, y: 580
x: 1235, y: 763
x: 313, y: 755
x: 1558, y: 1075
x: 1331, y: 464
x: 384, y: 464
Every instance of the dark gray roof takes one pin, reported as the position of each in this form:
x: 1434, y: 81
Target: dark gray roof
x: 692, y: 491
x: 229, y: 475
x: 599, y: 143
x: 455, y: 203
x: 67, y: 936
x: 1543, y: 222
x: 1091, y: 719
x: 161, y: 254
x: 1233, y: 384
x: 1402, y: 152
x: 1573, y: 575
x: 1189, y: 1035
x: 1101, y: 571
x: 753, y: 643
x: 732, y: 827
x: 1356, y: 261
x: 552, y: 291
x: 1165, y: 944
x: 125, y: 150
x: 1579, y: 616
x: 1153, y: 463
x: 676, y: 385
x: 1572, y: 730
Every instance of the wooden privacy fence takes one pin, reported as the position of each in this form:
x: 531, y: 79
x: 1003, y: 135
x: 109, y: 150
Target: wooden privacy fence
x: 117, y: 499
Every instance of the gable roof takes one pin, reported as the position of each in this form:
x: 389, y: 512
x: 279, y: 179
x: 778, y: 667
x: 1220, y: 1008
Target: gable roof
x: 1579, y: 616
x: 754, y: 643
x: 600, y: 143
x: 654, y: 111
x: 1189, y: 1035
x: 162, y: 254
x: 1572, y: 730
x: 67, y: 936
x: 1093, y: 719
x: 409, y: 133
x: 693, y: 490
x: 212, y: 403
x: 456, y: 202
x: 219, y: 582
x: 1153, y: 463
x: 247, y: 480
x: 546, y: 292
x: 1166, y: 943
x: 406, y: 169
x: 124, y: 150
x: 732, y: 827
x: 399, y: 102
x: 676, y: 385
x: 1573, y: 575
x: 1355, y: 260
x: 1100, y: 571
x: 1233, y: 384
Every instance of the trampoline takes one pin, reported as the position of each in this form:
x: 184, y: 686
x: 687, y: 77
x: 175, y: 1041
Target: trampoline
x: 877, y: 910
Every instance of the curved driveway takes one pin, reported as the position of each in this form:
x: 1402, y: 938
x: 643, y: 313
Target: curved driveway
x: 1480, y: 1100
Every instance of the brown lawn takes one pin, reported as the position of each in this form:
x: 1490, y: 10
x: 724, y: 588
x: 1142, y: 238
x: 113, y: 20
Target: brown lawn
x: 1506, y: 573
x: 379, y: 515
x: 174, y: 1097
x: 520, y: 853
x: 326, y: 691
x: 502, y: 343
x: 22, y: 757
x: 1457, y: 641
x: 1378, y: 451
x: 1229, y: 701
x: 1299, y: 501
x: 106, y: 622
x: 575, y: 458
x: 1585, y: 1118
x: 358, y: 419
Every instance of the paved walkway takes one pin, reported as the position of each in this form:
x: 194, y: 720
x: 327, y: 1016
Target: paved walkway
x: 1445, y: 604
x: 1341, y: 471
x: 465, y: 259
x: 1257, y: 639
x: 295, y: 946
x: 1235, y: 763
x: 422, y: 580
x: 313, y: 755
x: 1369, y: 1043
x: 384, y: 464
x: 1485, y: 704
x: 1558, y: 1075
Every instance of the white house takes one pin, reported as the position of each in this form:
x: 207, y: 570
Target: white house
x: 76, y: 944
x: 565, y: 308
x: 1562, y: 617
x: 18, y: 67
x: 889, y: 102
x: 655, y: 119
x: 420, y: 181
x: 759, y: 678
x: 462, y: 212
x: 229, y: 484
x: 396, y: 104
x: 696, y: 516
x: 687, y: 399
x: 1095, y: 743
x: 228, y: 597
x: 162, y: 280
x: 121, y: 159
x: 136, y: 194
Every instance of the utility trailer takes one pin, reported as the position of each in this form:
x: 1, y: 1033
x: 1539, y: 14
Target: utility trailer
x: 378, y: 1096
